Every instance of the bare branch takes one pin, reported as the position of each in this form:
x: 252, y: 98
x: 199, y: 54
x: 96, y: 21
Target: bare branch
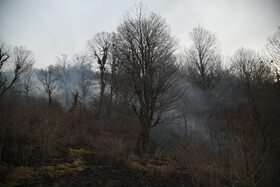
x: 22, y: 59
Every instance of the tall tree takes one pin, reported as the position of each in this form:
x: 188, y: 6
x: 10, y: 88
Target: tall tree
x: 252, y: 73
x: 63, y: 73
x: 98, y: 47
x: 85, y: 77
x: 203, y: 58
x: 28, y: 81
x: 148, y: 55
x: 116, y: 65
x: 48, y: 79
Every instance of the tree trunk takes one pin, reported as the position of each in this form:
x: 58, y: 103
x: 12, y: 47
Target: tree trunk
x: 143, y: 140
x: 50, y: 98
x: 109, y: 104
x: 66, y: 104
x: 102, y: 89
x: 101, y: 100
x: 186, y: 127
x: 26, y: 95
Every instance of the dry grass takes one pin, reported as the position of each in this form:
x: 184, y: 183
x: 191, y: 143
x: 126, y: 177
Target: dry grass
x: 21, y: 174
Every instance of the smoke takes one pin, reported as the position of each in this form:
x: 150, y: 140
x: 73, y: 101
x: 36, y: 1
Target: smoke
x: 199, y: 110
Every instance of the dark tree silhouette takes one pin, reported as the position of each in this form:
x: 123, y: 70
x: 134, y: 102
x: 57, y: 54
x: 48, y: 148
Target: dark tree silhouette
x: 116, y: 70
x: 48, y: 79
x: 147, y: 53
x: 252, y: 73
x: 203, y: 59
x: 63, y: 74
x: 85, y: 77
x: 22, y: 59
x: 28, y: 81
x: 99, y: 49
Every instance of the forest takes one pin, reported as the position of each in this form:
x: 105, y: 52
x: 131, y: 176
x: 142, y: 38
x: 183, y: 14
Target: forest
x: 135, y: 109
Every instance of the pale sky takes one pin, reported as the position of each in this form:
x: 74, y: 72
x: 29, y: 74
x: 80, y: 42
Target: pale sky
x: 52, y: 27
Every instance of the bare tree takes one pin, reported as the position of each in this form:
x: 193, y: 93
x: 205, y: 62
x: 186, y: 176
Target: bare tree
x: 48, y: 79
x: 116, y: 65
x: 253, y: 73
x: 98, y: 48
x: 85, y: 76
x: 63, y: 72
x: 273, y: 52
x: 203, y: 58
x: 22, y: 59
x: 28, y: 81
x: 147, y: 53
x: 4, y: 55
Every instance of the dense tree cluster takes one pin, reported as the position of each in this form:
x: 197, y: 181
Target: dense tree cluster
x: 138, y: 67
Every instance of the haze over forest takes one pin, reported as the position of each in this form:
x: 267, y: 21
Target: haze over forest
x: 152, y: 93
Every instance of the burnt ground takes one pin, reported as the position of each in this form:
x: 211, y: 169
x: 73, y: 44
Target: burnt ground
x: 81, y: 167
